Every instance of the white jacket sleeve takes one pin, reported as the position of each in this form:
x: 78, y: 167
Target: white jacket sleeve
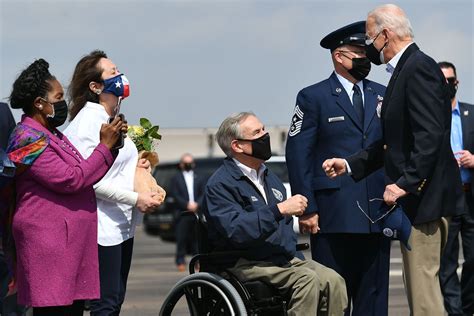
x: 105, y: 190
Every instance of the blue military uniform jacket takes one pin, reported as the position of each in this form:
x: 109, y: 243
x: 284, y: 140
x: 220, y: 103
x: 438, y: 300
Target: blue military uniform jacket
x: 325, y: 125
x: 240, y: 219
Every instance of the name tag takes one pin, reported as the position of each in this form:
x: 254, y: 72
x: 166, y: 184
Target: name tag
x: 335, y: 119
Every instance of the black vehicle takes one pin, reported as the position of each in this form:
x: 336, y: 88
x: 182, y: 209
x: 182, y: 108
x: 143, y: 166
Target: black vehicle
x: 161, y: 221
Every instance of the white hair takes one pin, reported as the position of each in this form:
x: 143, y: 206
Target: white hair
x: 230, y: 130
x: 392, y: 17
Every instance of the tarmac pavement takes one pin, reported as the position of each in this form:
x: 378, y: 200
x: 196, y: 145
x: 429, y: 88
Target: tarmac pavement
x: 153, y: 274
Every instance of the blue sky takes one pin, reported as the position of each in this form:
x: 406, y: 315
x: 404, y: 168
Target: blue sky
x: 191, y: 63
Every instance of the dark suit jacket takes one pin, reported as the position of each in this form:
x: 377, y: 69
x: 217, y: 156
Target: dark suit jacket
x: 180, y: 192
x: 415, y: 149
x: 330, y: 128
x: 7, y: 123
x: 467, y: 122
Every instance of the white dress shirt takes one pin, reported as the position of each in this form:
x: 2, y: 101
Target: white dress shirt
x: 116, y: 199
x: 349, y: 86
x: 392, y: 63
x: 189, y: 180
x: 256, y: 178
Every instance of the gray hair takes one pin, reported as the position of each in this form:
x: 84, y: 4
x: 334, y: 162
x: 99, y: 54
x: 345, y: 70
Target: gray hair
x: 230, y: 130
x: 393, y: 18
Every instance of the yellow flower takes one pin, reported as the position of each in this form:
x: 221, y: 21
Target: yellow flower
x: 138, y: 130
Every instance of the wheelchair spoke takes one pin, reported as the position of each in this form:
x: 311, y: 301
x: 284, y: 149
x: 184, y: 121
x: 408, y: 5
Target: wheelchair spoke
x: 219, y: 307
x: 194, y: 302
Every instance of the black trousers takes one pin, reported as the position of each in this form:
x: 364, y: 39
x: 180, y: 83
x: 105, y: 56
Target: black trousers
x: 186, y: 241
x: 363, y: 260
x: 459, y: 295
x: 76, y: 309
x: 114, y: 266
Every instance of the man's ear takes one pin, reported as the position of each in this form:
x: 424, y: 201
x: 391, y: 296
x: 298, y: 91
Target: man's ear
x: 386, y: 33
x: 337, y: 56
x: 235, y: 145
x: 95, y: 87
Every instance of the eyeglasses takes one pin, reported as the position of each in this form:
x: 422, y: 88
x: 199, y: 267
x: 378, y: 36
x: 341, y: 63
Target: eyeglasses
x: 373, y: 221
x: 369, y: 41
x: 357, y: 52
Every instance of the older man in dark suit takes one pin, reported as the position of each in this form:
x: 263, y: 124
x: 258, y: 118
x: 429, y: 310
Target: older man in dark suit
x: 422, y: 173
x: 458, y: 296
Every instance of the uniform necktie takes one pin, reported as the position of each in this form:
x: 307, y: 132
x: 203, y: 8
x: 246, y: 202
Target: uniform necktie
x: 357, y: 103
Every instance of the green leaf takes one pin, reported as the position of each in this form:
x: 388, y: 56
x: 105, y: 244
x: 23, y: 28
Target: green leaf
x: 147, y: 144
x: 156, y: 135
x: 152, y: 131
x: 145, y: 123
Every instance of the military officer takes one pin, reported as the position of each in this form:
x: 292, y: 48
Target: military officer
x: 337, y: 117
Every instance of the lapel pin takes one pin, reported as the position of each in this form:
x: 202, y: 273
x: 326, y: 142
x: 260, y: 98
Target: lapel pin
x: 466, y: 113
x: 338, y: 90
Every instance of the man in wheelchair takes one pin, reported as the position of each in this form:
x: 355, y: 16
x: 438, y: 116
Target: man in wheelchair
x: 246, y: 209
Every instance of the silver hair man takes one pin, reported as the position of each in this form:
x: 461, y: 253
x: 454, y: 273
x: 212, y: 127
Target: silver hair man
x: 230, y: 130
x: 399, y: 23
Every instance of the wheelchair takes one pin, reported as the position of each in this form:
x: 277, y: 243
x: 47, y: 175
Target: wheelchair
x: 214, y: 290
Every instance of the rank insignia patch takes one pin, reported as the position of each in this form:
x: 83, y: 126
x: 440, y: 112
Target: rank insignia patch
x: 296, y: 122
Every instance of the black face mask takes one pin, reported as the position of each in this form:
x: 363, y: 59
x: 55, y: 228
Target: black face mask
x: 452, y: 89
x: 260, y: 147
x: 373, y: 54
x: 59, y: 115
x: 360, y: 68
x: 188, y: 166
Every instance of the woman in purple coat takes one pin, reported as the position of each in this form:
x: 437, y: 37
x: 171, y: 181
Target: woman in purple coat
x: 55, y: 219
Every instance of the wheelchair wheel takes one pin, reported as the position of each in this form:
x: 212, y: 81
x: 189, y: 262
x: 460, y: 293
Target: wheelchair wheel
x: 203, y: 294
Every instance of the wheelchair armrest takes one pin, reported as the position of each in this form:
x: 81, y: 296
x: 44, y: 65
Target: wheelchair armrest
x: 224, y: 256
x: 300, y: 247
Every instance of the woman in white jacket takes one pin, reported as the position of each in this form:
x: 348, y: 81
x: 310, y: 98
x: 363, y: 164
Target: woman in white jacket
x: 96, y: 90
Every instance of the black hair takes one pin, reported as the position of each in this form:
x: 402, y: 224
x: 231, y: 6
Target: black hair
x: 30, y: 84
x: 447, y: 64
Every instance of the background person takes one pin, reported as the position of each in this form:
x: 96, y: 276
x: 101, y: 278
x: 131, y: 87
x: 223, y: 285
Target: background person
x: 7, y: 124
x: 415, y: 151
x: 55, y: 220
x: 95, y: 90
x: 246, y: 208
x: 335, y: 118
x: 8, y: 305
x: 188, y: 190
x: 459, y: 300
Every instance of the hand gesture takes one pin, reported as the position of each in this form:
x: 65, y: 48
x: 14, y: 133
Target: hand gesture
x: 147, y: 202
x: 193, y: 206
x: 110, y: 133
x: 295, y: 205
x: 334, y: 167
x: 465, y: 159
x: 309, y: 223
x: 392, y: 193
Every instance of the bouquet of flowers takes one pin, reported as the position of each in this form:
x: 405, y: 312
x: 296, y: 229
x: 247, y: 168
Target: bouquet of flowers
x: 145, y: 137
